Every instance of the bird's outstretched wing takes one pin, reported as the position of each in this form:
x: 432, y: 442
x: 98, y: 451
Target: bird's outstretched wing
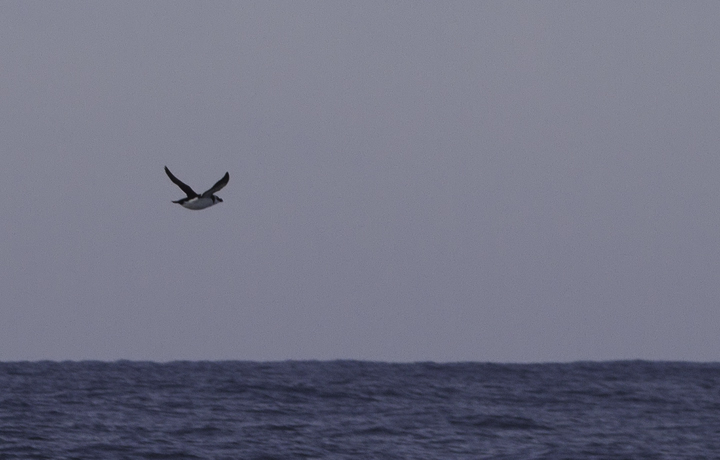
x: 185, y: 188
x: 218, y: 185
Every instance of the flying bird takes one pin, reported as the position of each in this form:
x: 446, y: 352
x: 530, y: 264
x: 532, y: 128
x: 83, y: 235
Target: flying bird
x: 195, y: 201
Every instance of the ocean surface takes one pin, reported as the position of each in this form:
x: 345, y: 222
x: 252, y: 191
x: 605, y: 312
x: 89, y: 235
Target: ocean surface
x: 359, y: 410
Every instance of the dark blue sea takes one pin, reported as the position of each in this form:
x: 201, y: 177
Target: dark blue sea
x: 359, y: 410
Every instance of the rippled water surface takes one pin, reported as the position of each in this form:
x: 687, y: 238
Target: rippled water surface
x: 349, y: 409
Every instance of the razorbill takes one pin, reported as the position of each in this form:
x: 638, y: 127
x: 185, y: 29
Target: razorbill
x: 195, y: 201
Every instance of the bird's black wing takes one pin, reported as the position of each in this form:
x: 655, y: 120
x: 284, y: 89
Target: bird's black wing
x: 218, y: 185
x: 185, y: 188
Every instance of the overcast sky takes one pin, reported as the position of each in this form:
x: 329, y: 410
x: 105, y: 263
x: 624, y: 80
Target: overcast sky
x: 409, y: 181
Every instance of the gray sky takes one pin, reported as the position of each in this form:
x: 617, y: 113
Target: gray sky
x: 486, y: 181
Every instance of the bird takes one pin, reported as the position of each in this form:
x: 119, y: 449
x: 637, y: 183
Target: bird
x: 193, y: 200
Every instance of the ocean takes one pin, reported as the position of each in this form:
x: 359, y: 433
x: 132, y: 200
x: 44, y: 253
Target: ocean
x: 359, y: 410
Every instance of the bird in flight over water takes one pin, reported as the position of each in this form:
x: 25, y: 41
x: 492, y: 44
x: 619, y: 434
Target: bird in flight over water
x: 195, y: 201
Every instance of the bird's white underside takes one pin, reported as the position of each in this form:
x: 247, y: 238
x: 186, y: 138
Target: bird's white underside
x: 199, y: 203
